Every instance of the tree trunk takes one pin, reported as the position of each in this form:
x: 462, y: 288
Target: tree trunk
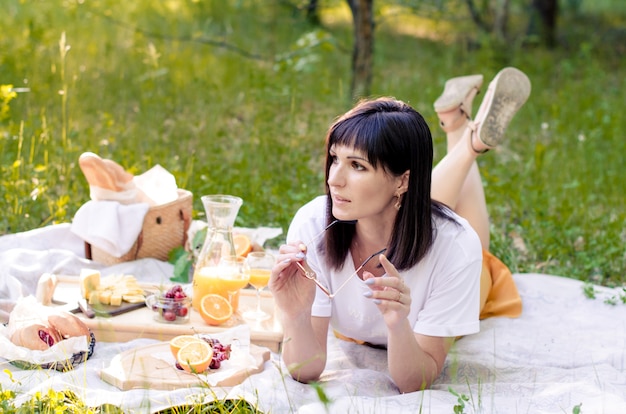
x: 311, y: 12
x: 363, y: 50
x: 543, y: 16
x: 501, y: 17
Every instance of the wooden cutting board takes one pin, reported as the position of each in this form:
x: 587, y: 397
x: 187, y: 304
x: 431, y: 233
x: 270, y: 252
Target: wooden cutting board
x: 91, y: 311
x: 142, y: 368
x: 140, y: 323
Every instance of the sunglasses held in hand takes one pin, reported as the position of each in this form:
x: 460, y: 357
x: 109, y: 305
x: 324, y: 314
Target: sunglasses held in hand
x: 312, y: 276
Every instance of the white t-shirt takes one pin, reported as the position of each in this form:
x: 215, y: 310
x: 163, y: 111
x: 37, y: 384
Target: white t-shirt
x: 445, y: 284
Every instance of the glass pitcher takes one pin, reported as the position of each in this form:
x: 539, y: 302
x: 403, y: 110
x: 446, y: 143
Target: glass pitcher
x: 221, y: 211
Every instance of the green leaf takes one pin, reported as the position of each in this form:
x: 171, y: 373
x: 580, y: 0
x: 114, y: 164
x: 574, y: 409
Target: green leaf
x: 589, y: 291
x: 324, y: 399
x: 176, y: 253
x: 182, y: 267
x: 198, y: 239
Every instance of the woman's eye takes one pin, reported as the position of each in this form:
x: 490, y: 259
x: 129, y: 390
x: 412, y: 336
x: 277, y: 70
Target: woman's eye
x: 333, y: 158
x: 357, y: 166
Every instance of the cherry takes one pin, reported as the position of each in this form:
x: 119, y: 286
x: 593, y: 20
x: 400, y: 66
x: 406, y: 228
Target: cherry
x: 169, y: 316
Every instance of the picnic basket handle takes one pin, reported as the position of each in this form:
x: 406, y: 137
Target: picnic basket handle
x: 139, y: 242
x: 186, y: 218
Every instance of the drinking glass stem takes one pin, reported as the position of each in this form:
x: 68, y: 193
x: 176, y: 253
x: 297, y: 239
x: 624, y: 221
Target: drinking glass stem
x: 258, y: 302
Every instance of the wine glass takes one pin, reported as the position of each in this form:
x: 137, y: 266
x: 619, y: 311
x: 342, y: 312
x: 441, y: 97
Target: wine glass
x: 232, y: 276
x: 259, y: 265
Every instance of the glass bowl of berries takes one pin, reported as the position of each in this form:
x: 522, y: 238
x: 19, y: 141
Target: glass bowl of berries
x: 170, y: 306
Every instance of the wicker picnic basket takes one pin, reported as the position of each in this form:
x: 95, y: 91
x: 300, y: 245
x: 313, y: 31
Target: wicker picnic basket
x: 64, y: 365
x: 164, y: 228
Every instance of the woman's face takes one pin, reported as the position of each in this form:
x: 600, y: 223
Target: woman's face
x: 359, y: 191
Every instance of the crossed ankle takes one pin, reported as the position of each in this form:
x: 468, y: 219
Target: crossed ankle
x: 453, y: 120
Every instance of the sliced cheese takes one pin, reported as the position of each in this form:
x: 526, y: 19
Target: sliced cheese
x: 116, y: 299
x: 111, y: 289
x: 89, y: 282
x: 105, y: 297
x: 94, y: 297
x: 134, y: 298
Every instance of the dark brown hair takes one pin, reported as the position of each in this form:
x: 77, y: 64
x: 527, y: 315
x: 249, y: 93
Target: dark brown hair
x: 395, y: 137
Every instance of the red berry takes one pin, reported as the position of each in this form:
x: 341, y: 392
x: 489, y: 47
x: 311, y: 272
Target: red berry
x: 169, y: 316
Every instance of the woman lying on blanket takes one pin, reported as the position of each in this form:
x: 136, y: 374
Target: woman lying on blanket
x: 429, y: 277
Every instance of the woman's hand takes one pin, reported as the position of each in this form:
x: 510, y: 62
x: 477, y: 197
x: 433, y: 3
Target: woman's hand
x: 390, y: 293
x: 292, y: 291
x: 304, y: 345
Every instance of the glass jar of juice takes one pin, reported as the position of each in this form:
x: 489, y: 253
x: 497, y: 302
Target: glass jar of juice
x: 226, y: 279
x: 209, y: 271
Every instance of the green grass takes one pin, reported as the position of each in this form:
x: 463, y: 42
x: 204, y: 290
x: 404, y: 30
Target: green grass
x: 148, y: 83
x: 68, y: 402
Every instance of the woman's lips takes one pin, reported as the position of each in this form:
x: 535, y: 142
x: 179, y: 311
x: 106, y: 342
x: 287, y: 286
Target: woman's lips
x: 339, y: 200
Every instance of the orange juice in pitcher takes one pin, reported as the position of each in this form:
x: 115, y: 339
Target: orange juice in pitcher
x: 226, y: 279
x: 217, y: 269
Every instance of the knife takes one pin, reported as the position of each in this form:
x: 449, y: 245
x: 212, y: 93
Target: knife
x: 85, y: 309
x: 65, y: 306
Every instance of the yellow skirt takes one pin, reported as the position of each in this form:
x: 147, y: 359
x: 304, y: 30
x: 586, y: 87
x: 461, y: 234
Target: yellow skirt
x: 498, y: 293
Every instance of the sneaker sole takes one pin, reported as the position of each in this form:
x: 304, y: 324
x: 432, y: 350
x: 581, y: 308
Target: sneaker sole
x: 511, y: 89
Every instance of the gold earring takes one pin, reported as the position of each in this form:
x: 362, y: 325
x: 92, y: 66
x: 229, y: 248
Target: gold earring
x: 398, y: 201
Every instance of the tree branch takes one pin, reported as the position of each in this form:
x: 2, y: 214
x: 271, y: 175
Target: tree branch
x: 475, y: 15
x: 217, y: 43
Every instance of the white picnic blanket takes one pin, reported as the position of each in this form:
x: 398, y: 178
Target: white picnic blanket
x: 565, y: 351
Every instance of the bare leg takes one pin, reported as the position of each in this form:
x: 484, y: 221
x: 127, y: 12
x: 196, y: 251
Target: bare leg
x: 456, y: 182
x: 456, y: 179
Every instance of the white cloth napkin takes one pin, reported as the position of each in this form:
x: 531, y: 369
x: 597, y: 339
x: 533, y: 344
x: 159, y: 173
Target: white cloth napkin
x: 110, y: 225
x: 112, y: 220
x: 156, y: 186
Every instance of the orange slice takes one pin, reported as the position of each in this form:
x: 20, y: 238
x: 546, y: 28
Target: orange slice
x: 195, y: 357
x: 243, y: 245
x: 181, y: 340
x: 215, y: 309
